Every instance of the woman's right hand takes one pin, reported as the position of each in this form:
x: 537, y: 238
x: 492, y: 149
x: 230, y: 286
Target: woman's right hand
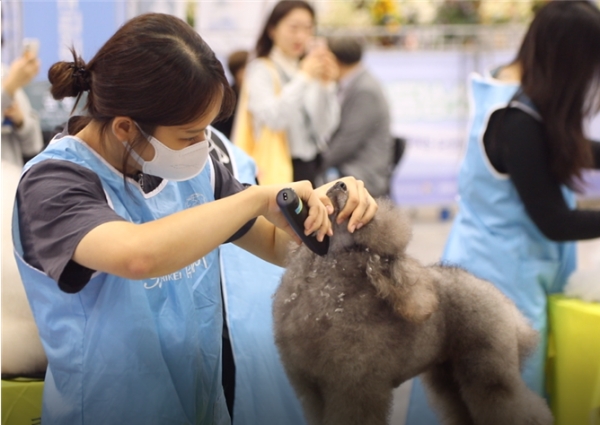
x: 318, y: 214
x: 312, y: 65
x: 320, y: 64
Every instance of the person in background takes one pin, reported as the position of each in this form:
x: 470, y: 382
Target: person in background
x: 299, y: 97
x: 236, y: 63
x: 362, y: 144
x: 120, y: 265
x: 21, y: 131
x: 525, y: 156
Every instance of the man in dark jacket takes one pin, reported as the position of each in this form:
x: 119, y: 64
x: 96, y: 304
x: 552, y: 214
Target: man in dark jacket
x: 362, y: 146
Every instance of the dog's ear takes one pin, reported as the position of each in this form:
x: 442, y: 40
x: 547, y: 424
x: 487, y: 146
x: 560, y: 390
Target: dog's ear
x: 388, y: 233
x: 406, y: 285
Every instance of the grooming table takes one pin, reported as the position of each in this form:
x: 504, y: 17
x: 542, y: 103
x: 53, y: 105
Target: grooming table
x: 595, y: 415
x: 574, y: 361
x: 22, y: 401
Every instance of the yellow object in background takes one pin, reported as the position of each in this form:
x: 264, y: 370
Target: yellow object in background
x: 22, y: 401
x: 574, y: 359
x: 384, y: 12
x: 270, y: 150
x: 595, y: 414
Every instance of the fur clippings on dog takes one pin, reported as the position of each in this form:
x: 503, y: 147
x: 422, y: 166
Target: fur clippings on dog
x: 354, y: 324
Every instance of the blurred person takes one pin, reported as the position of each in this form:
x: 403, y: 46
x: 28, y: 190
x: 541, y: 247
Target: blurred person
x: 362, y: 144
x: 22, y: 351
x: 291, y: 85
x: 236, y: 63
x: 21, y: 130
x: 121, y: 266
x: 526, y: 152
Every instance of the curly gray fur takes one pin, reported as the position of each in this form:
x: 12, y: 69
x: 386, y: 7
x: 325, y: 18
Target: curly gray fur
x: 354, y: 324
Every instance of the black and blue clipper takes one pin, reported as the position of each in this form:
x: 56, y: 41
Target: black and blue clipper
x: 295, y: 213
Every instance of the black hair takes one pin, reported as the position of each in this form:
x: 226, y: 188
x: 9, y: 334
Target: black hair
x: 280, y: 11
x: 560, y: 63
x: 155, y: 69
x: 347, y: 50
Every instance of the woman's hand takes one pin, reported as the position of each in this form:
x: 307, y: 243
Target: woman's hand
x: 312, y: 65
x: 318, y: 213
x: 21, y: 72
x: 360, y: 207
x: 320, y: 64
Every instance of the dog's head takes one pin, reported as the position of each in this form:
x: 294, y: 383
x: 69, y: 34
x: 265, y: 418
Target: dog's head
x: 399, y: 279
x: 387, y: 234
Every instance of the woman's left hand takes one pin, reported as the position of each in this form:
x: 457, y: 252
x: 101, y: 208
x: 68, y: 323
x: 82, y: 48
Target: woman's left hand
x: 360, y: 207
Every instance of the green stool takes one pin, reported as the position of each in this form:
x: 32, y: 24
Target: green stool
x: 22, y: 401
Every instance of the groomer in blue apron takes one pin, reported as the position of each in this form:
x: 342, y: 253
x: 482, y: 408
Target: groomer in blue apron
x: 517, y: 217
x: 117, y: 226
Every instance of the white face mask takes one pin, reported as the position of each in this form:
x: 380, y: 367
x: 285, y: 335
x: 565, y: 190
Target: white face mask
x: 171, y: 164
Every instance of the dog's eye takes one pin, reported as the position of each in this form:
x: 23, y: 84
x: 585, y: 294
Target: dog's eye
x: 343, y: 186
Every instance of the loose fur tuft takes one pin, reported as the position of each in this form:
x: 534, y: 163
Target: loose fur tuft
x: 354, y: 324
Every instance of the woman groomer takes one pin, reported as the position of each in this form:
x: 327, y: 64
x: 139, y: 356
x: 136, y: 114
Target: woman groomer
x: 118, y: 223
x: 525, y: 156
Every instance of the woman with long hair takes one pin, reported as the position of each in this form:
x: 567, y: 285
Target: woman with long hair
x: 526, y: 152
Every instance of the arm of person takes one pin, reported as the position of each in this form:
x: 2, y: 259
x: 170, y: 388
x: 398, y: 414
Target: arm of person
x: 7, y: 100
x: 30, y: 130
x: 77, y: 233
x: 267, y: 107
x: 272, y: 244
x: 267, y: 242
x: 22, y: 70
x: 526, y: 160
x: 163, y: 246
x: 321, y: 102
x: 73, y: 202
x: 360, y: 113
x: 323, y: 108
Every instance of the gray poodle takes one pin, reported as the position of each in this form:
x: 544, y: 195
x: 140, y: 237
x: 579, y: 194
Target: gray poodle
x: 354, y: 324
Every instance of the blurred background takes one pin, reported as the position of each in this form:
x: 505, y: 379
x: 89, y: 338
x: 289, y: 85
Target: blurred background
x: 421, y: 50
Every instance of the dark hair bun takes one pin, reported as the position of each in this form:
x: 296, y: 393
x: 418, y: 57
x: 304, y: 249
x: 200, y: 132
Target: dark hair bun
x: 69, y: 79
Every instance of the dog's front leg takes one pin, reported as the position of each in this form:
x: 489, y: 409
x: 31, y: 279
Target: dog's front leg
x: 369, y: 404
x: 309, y: 393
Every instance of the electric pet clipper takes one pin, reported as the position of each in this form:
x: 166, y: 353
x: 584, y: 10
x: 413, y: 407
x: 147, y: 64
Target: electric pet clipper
x: 295, y: 213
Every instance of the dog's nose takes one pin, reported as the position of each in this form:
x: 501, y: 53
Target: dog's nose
x: 342, y: 186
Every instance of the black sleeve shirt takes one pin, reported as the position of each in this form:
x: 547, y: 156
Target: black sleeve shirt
x: 520, y: 150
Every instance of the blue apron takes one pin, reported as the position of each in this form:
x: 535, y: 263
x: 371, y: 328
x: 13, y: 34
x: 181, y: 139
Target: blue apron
x: 494, y: 238
x: 123, y: 351
x: 263, y: 394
